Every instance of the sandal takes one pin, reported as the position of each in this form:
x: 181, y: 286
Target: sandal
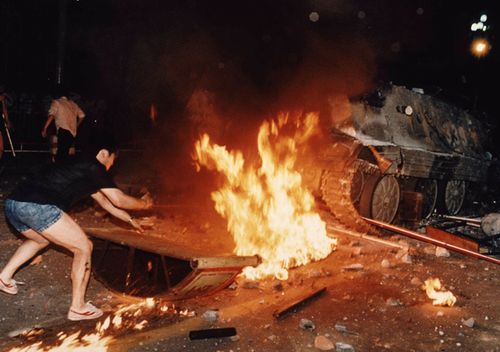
x: 90, y: 312
x: 11, y: 288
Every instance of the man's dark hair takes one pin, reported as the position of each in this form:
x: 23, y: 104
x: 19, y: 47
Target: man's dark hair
x: 100, y: 140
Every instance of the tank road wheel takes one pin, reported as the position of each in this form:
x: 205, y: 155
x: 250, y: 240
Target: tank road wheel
x: 429, y: 190
x: 385, y: 199
x: 454, y: 196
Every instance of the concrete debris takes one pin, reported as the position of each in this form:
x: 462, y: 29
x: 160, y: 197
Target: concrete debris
x: 233, y: 286
x: 235, y: 338
x: 210, y: 315
x: 416, y: 281
x: 357, y: 251
x: 340, y: 327
x: 442, y: 252
x: 406, y: 258
x: 431, y: 250
x: 323, y: 343
x: 343, y: 347
x: 386, y: 264
x: 306, y: 324
x: 393, y: 302
x: 353, y: 267
x: 469, y: 322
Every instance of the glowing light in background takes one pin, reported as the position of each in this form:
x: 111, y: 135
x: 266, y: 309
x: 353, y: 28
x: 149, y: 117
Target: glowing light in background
x: 483, y: 18
x: 480, y: 47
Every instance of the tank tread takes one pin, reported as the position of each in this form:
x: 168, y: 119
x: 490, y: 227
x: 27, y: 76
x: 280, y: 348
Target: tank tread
x: 336, y: 193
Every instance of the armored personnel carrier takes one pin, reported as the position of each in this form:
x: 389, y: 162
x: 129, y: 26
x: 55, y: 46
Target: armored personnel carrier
x: 398, y: 141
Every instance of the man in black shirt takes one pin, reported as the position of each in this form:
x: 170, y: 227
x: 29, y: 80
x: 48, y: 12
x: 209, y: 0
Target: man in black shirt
x: 37, y: 209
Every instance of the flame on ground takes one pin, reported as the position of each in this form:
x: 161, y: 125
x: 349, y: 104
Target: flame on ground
x: 442, y: 298
x: 125, y: 319
x: 268, y: 210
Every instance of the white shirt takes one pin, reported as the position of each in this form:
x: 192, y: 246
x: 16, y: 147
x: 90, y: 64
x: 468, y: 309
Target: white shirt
x: 66, y: 114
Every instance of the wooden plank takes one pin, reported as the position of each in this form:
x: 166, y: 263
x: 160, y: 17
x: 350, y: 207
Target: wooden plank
x: 452, y: 239
x: 185, y: 246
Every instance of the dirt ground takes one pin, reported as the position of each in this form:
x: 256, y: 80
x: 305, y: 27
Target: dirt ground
x: 373, y: 299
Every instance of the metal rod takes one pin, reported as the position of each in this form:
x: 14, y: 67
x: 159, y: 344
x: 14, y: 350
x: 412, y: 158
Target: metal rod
x: 8, y: 135
x: 423, y: 238
x: 461, y: 218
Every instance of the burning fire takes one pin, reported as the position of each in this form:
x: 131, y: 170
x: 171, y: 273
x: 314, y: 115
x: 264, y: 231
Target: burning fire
x: 124, y: 320
x: 268, y: 210
x: 443, y: 298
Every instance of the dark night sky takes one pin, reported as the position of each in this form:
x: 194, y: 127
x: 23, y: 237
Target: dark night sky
x: 256, y: 55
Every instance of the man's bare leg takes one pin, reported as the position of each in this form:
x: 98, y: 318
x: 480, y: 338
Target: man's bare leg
x: 68, y: 234
x: 34, y: 243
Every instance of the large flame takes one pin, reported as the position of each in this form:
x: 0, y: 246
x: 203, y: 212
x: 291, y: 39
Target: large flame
x: 440, y: 298
x: 268, y: 210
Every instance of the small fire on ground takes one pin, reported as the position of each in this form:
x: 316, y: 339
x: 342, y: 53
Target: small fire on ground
x: 268, y: 210
x: 130, y: 317
x: 433, y: 288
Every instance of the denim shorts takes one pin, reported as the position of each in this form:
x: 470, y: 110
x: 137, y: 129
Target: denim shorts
x: 24, y: 216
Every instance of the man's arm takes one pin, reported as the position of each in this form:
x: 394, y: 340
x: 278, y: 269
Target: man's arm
x: 104, y: 202
x: 47, y: 124
x: 124, y: 201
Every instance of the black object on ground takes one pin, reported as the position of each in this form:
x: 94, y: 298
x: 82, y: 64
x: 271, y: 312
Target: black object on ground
x: 211, y: 333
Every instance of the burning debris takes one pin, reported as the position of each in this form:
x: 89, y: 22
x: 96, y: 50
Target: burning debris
x: 268, y: 210
x: 440, y: 298
x: 129, y: 317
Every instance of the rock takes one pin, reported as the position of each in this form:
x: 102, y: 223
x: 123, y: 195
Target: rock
x: 233, y: 286
x: 406, y: 258
x: 353, y: 267
x: 356, y: 251
x: 416, y: 281
x: 440, y: 313
x: 386, y: 264
x: 323, y: 343
x: 235, y: 338
x: 210, y: 315
x: 469, y: 322
x: 340, y: 327
x: 442, y: 252
x: 431, y: 250
x: 343, y: 347
x: 306, y: 324
x: 272, y: 338
x: 393, y: 302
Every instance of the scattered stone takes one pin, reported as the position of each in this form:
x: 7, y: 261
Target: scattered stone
x: 406, y: 258
x: 323, y: 343
x: 431, y: 250
x: 306, y: 324
x: 386, y: 264
x: 233, y: 286
x: 353, y: 267
x: 486, y: 318
x: 340, y: 327
x: 357, y: 251
x: 440, y: 313
x: 393, y: 302
x: 210, y: 315
x: 355, y: 244
x: 343, y: 347
x: 469, y: 322
x: 272, y: 338
x: 441, y: 333
x: 267, y: 326
x: 235, y: 338
x: 262, y: 301
x: 442, y: 252
x: 463, y: 266
x: 416, y: 281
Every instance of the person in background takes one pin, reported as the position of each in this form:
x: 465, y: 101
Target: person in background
x: 5, y: 123
x: 67, y: 116
x: 38, y: 207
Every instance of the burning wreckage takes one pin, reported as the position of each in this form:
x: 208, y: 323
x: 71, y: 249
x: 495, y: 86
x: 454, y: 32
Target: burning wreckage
x: 398, y: 154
